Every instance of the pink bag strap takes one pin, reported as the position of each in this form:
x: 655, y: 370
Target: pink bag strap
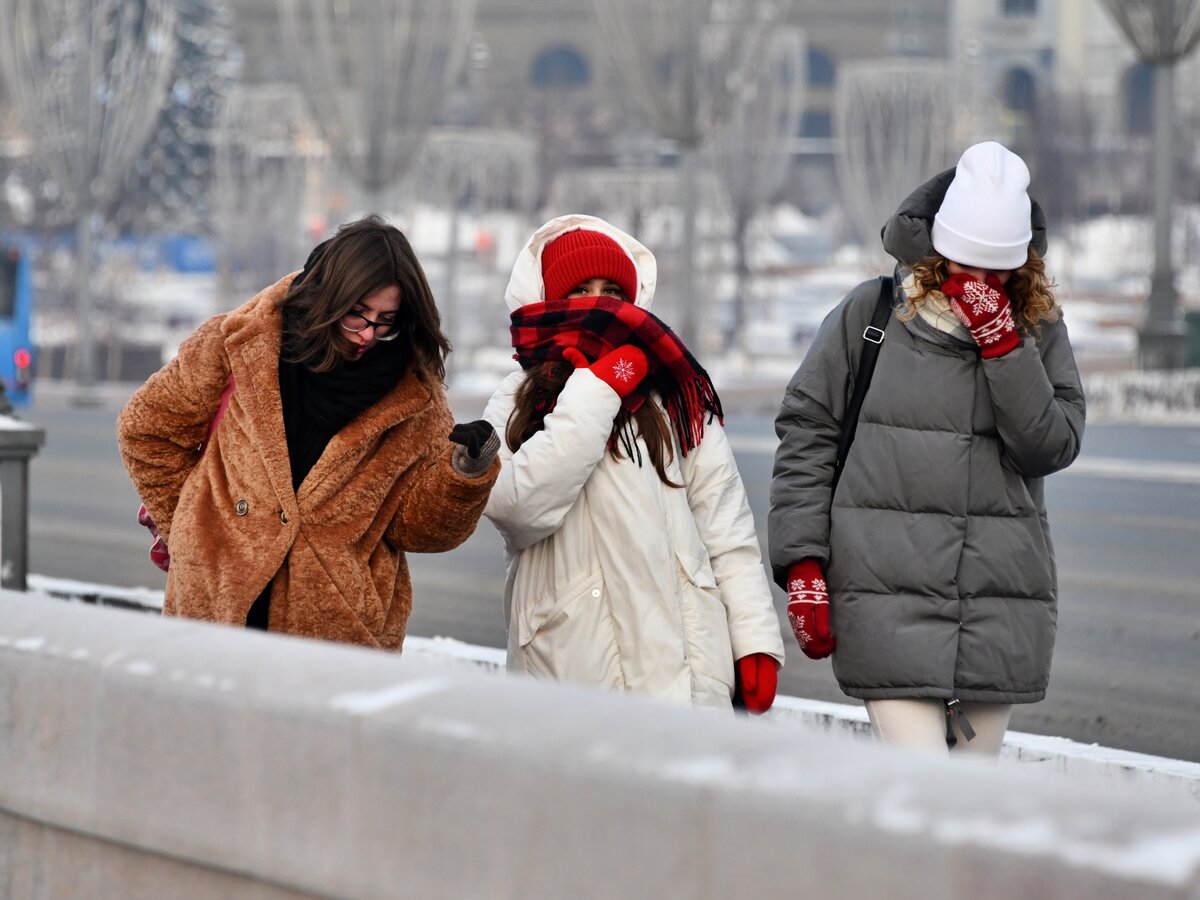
x: 221, y: 406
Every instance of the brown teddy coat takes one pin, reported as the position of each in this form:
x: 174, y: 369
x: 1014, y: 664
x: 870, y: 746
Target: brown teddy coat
x: 336, y: 547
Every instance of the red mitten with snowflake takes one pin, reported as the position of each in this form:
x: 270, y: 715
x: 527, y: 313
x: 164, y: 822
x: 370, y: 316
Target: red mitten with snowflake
x: 983, y: 307
x: 757, y: 680
x: 808, y: 609
x: 622, y: 369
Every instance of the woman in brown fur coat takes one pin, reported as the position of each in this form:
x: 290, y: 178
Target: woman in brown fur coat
x: 337, y: 453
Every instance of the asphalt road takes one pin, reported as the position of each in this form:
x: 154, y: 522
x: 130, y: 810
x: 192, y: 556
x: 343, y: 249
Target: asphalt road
x: 1125, y: 521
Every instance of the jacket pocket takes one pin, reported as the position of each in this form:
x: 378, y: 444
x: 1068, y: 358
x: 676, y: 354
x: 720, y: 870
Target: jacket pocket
x: 568, y: 635
x: 706, y: 630
x: 697, y: 571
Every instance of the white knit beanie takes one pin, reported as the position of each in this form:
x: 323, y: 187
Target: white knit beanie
x: 984, y: 219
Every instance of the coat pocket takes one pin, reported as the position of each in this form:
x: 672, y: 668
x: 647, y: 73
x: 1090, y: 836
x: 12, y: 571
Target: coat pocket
x: 706, y: 629
x: 568, y: 636
x: 697, y: 571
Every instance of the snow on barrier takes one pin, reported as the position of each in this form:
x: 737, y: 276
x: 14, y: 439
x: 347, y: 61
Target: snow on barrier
x: 146, y: 758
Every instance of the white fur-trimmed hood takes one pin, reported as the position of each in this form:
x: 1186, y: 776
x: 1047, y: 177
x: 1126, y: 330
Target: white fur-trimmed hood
x: 526, y: 286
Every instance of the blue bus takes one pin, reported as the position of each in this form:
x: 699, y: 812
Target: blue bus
x: 16, y: 313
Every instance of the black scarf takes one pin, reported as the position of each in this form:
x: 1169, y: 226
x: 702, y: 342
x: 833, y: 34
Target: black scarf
x: 317, y: 405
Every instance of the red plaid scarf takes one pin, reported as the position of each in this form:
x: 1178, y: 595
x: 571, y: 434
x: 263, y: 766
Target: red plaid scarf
x: 596, y: 325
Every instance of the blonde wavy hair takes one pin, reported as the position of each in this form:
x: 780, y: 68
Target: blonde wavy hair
x: 1029, y: 289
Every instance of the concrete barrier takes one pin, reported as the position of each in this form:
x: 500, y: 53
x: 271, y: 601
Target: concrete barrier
x: 143, y: 757
x: 1090, y: 765
x: 1081, y: 763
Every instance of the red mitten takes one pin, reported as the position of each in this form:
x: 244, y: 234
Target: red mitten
x: 622, y: 369
x: 808, y: 609
x: 983, y: 307
x: 757, y: 678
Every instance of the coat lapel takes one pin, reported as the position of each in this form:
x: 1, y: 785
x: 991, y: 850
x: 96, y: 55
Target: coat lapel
x: 253, y: 335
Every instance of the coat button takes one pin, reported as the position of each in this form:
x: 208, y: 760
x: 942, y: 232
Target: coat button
x: 242, y: 507
x: 595, y: 592
x: 283, y: 517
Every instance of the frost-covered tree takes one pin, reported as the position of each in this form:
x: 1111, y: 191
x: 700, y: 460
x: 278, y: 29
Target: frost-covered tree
x: 169, y: 186
x: 751, y: 154
x: 87, y: 77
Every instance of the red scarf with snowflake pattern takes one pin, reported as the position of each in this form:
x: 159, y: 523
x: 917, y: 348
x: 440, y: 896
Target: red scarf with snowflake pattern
x: 596, y: 325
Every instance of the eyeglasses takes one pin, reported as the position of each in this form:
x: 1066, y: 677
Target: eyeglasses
x: 356, y: 323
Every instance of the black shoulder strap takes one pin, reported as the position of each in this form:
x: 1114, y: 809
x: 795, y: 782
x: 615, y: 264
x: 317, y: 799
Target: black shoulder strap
x: 872, y: 340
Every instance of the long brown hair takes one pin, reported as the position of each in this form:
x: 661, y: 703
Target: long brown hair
x: 364, y: 256
x: 1029, y: 290
x: 651, y: 424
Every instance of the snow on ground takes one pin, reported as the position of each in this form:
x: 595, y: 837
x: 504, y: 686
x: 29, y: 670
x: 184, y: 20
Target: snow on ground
x: 102, y: 594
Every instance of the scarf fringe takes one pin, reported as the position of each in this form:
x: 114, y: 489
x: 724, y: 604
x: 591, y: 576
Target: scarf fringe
x: 690, y: 408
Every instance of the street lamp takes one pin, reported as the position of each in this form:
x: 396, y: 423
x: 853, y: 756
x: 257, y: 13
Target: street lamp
x: 1162, y: 32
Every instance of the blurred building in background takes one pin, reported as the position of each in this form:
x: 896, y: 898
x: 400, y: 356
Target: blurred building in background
x: 541, y: 66
x: 1054, y: 79
x: 1061, y: 85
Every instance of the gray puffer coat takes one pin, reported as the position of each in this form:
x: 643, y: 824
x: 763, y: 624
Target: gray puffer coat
x: 936, y: 550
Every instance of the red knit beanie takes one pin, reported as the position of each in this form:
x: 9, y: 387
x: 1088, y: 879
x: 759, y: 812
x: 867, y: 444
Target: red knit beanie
x: 577, y: 256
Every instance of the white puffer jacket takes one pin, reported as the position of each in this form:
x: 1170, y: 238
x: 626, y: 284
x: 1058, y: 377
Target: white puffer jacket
x: 615, y: 579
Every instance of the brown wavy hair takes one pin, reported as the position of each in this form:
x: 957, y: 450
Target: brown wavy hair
x: 651, y: 424
x: 1029, y: 289
x: 364, y: 256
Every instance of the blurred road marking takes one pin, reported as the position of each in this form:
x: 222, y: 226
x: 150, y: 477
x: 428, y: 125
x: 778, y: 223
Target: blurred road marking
x: 1085, y: 466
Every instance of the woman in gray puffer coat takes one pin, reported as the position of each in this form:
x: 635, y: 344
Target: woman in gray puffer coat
x: 933, y: 564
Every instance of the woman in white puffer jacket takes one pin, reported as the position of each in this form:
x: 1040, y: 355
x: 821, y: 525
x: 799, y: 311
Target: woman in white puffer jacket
x: 633, y: 562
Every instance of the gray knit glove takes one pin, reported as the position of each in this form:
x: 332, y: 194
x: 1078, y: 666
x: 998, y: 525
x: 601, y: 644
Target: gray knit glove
x: 478, y: 445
